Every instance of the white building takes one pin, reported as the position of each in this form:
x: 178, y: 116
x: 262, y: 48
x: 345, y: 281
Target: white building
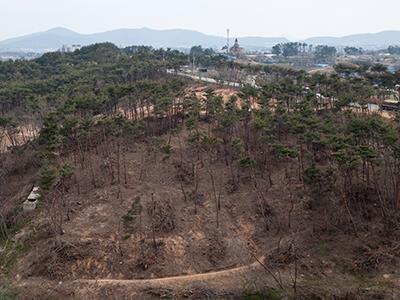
x: 70, y: 48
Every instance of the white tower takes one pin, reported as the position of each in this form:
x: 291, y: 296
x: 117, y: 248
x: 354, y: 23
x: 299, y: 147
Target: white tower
x: 227, y: 41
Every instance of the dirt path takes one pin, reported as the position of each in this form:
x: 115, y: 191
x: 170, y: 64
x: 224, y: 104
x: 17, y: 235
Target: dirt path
x: 183, y: 279
x: 218, y: 283
x: 225, y: 282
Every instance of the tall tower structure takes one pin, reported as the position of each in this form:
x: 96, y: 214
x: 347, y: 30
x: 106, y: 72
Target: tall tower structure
x: 227, y: 40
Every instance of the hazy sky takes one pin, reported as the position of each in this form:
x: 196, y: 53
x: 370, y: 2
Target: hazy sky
x: 289, y: 18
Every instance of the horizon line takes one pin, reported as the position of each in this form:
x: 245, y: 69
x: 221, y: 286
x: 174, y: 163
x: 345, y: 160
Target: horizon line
x: 198, y: 31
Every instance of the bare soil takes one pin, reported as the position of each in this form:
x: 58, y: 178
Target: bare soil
x: 113, y: 247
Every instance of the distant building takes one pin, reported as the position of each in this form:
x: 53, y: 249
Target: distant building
x: 236, y: 50
x: 70, y: 48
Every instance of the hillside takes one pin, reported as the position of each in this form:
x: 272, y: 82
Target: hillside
x: 123, y: 179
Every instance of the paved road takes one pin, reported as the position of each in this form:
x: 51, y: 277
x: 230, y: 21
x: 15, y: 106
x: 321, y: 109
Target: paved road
x: 205, y: 79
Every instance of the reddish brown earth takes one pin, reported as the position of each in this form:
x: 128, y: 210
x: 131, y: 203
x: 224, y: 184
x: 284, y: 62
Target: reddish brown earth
x: 98, y: 257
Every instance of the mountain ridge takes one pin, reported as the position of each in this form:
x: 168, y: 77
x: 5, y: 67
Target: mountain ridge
x: 382, y: 39
x: 54, y: 38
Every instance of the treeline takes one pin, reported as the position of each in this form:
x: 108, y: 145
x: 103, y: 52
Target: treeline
x: 88, y: 79
x: 294, y: 49
x: 321, y: 51
x: 394, y: 50
x: 54, y: 76
x: 206, y: 57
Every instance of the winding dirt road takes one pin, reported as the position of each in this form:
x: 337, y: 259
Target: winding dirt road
x: 217, y: 283
x: 225, y: 282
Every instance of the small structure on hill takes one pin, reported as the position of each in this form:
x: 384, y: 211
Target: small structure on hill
x: 236, y: 50
x: 70, y: 48
x: 32, y: 200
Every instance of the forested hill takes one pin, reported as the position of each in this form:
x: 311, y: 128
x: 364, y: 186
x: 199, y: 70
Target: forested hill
x: 42, y: 84
x: 288, y: 183
x: 88, y: 81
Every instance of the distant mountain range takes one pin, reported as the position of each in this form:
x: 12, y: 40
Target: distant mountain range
x: 366, y: 40
x: 179, y: 38
x: 175, y: 38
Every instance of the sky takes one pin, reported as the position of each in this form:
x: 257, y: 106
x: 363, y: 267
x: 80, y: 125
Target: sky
x: 294, y: 19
